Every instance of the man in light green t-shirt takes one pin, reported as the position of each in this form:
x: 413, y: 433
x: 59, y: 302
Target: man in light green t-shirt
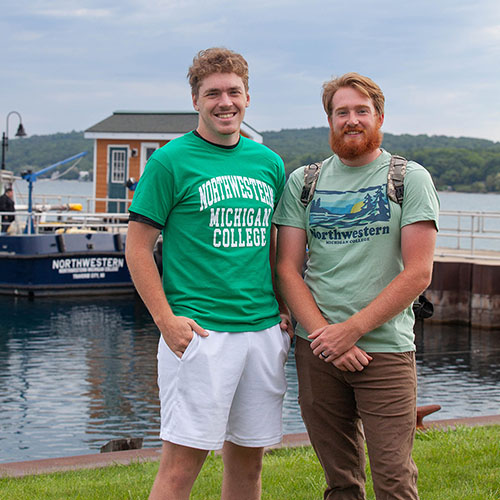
x: 223, y: 344
x: 368, y: 259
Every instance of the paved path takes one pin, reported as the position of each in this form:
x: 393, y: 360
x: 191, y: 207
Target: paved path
x: 48, y: 465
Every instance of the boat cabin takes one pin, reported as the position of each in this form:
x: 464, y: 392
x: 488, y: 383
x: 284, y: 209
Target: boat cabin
x: 123, y: 143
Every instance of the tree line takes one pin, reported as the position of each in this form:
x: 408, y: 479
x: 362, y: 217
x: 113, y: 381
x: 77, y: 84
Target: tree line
x: 461, y: 164
x: 40, y: 151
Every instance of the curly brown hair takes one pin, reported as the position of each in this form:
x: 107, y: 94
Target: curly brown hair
x: 359, y: 82
x: 216, y: 60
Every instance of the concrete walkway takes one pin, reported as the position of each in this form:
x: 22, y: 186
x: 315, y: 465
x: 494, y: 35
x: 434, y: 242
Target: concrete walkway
x: 49, y: 465
x: 488, y: 257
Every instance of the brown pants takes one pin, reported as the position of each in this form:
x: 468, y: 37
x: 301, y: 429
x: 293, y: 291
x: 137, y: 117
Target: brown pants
x: 338, y: 407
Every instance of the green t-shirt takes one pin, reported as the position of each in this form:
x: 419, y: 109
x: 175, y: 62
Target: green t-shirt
x: 215, y: 205
x: 354, y: 240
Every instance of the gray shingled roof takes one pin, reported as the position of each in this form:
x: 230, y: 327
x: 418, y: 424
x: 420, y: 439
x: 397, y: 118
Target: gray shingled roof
x: 147, y: 122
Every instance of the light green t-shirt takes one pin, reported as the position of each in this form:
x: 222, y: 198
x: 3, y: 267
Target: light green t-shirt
x: 354, y: 240
x: 216, y: 206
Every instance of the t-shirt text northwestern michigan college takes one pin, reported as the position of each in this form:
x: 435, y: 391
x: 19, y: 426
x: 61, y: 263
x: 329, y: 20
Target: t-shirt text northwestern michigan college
x: 215, y: 206
x: 238, y: 226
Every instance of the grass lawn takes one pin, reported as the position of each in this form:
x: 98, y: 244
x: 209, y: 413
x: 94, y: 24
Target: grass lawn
x: 461, y: 464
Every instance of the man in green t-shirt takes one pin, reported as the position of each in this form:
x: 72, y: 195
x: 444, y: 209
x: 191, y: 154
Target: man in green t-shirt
x: 223, y: 345
x: 368, y: 259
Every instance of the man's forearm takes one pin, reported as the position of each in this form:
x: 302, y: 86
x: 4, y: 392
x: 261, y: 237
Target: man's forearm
x: 417, y: 245
x: 300, y: 300
x: 338, y: 338
x: 147, y: 282
x: 393, y: 299
x: 283, y: 308
x: 140, y: 244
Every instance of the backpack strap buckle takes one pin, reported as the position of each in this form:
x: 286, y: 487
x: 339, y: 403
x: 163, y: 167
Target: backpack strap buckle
x: 311, y: 174
x: 395, y: 178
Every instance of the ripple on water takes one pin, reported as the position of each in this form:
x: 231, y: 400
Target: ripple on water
x: 76, y: 373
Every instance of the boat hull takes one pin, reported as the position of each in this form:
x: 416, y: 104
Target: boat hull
x: 64, y: 264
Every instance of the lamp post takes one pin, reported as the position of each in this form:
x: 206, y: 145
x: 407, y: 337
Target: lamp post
x: 5, y: 136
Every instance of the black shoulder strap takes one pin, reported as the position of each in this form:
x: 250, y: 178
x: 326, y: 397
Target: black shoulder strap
x: 395, y: 179
x: 311, y: 174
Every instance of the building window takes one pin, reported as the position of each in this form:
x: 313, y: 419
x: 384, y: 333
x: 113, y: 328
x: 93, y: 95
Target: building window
x: 147, y: 149
x: 118, y: 165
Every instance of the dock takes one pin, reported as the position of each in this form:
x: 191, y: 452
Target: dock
x: 465, y: 287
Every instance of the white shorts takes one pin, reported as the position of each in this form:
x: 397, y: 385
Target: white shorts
x: 226, y: 387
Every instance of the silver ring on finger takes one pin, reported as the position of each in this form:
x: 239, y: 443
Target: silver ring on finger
x: 323, y: 355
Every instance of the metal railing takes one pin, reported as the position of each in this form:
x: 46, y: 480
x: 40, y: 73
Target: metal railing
x: 469, y: 234
x: 66, y: 222
x: 88, y: 202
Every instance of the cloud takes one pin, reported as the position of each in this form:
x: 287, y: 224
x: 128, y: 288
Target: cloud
x: 76, y: 13
x: 491, y: 36
x: 70, y: 64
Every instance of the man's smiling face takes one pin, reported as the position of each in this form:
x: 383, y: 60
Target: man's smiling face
x: 354, y: 126
x: 221, y: 102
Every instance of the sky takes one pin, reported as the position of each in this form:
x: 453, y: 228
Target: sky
x: 66, y: 65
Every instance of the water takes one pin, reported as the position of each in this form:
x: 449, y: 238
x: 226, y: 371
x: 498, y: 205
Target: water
x: 75, y: 373
x: 469, y: 202
x: 458, y: 368
x: 47, y: 191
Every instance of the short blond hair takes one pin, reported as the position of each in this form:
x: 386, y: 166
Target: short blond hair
x: 359, y: 82
x: 216, y: 60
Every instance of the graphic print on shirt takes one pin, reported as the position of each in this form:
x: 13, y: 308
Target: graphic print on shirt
x: 341, y: 217
x: 237, y: 226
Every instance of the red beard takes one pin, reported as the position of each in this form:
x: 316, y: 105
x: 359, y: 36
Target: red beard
x: 372, y: 139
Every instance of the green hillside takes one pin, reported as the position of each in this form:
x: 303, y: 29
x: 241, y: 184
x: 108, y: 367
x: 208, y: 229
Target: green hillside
x: 39, y: 151
x: 462, y: 164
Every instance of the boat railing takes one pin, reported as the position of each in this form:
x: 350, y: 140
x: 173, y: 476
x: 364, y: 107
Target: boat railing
x: 88, y: 203
x: 118, y: 203
x: 67, y: 222
x: 467, y: 234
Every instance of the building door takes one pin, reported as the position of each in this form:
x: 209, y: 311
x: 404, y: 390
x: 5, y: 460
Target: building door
x: 117, y: 176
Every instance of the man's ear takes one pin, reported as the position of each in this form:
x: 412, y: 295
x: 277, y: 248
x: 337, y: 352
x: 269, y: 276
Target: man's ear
x: 381, y: 120
x: 195, y: 102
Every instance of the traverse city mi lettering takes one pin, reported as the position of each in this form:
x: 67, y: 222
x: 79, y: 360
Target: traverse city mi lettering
x: 238, y: 226
x: 353, y: 236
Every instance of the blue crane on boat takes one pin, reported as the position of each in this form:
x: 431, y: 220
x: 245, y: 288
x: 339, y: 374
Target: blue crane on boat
x: 32, y: 177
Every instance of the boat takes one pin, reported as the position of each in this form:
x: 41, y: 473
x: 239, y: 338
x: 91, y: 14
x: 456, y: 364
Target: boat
x: 56, y: 250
